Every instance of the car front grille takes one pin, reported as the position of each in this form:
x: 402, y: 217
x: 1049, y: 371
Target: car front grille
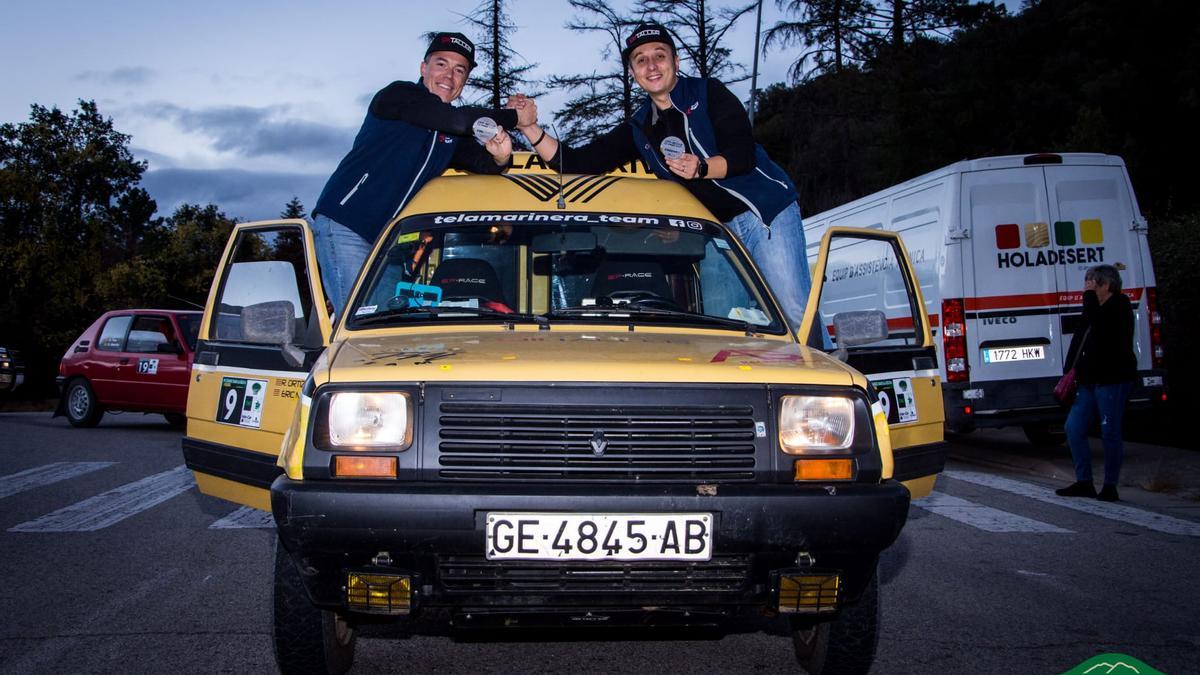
x: 476, y: 574
x: 616, y: 443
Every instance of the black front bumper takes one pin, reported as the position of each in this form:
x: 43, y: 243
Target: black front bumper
x: 435, y: 532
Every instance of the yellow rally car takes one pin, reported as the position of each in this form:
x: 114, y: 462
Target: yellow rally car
x: 565, y: 400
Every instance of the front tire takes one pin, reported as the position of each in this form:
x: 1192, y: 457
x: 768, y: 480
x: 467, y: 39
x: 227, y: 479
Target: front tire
x: 308, y: 639
x: 83, y: 410
x: 845, y: 646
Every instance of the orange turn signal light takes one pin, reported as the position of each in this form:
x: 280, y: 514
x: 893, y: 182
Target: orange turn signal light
x: 364, y: 467
x: 824, y: 469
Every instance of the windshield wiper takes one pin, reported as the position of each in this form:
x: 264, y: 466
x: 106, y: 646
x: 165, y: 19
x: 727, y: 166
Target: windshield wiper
x: 389, y: 314
x: 631, y: 311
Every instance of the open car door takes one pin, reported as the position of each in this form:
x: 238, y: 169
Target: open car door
x: 264, y: 326
x: 864, y: 285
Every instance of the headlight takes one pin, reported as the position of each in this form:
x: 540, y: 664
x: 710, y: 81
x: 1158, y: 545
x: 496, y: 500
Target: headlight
x: 370, y: 420
x: 808, y: 423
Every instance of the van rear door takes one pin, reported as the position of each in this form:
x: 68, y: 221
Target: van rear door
x: 1093, y: 217
x: 264, y: 326
x: 1012, y: 286
x: 866, y: 275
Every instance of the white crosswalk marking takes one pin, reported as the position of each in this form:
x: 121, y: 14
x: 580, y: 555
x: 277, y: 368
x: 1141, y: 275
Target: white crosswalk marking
x: 1111, y: 511
x: 45, y: 475
x: 982, y: 517
x: 245, y: 517
x: 113, y: 506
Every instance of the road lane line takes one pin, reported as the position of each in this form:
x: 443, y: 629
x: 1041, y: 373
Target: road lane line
x: 1109, y: 510
x: 983, y: 517
x: 245, y: 517
x: 45, y: 475
x: 113, y: 506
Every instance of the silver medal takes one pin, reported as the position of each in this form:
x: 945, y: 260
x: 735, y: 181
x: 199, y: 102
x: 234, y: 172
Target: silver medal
x: 485, y: 129
x: 672, y: 147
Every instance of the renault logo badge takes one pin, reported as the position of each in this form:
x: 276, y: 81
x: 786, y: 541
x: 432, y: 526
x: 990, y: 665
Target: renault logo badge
x: 599, y: 443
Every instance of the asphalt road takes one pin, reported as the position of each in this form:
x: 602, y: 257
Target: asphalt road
x: 116, y: 564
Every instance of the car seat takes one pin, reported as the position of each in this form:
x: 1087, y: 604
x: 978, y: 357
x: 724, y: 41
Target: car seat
x: 461, y: 278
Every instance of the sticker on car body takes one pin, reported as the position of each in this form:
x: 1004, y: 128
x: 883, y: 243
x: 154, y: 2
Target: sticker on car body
x: 241, y: 401
x: 147, y: 366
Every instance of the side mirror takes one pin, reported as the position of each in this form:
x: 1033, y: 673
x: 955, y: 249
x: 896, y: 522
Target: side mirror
x: 860, y: 327
x: 273, y: 323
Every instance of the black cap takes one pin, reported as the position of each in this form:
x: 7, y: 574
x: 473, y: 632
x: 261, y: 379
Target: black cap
x: 453, y: 42
x: 646, y: 32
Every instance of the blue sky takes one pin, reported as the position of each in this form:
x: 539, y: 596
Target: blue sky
x: 247, y: 103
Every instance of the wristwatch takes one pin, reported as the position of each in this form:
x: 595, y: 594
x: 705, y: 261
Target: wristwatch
x: 702, y: 170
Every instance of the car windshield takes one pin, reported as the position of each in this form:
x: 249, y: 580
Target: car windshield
x: 541, y: 267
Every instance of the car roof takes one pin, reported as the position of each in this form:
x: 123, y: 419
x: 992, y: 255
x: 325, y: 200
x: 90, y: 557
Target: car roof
x: 628, y: 190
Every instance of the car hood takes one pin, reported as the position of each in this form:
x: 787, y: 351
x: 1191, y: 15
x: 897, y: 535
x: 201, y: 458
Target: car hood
x: 587, y: 355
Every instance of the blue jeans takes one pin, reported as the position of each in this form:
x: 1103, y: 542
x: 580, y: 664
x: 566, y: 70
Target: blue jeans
x: 340, y: 254
x: 1108, y: 401
x: 783, y: 259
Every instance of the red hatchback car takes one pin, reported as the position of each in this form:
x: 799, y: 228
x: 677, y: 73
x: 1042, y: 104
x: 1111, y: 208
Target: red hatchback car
x: 132, y: 360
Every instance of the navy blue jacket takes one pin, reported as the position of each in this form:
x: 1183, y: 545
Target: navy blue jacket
x: 761, y: 185
x: 408, y: 137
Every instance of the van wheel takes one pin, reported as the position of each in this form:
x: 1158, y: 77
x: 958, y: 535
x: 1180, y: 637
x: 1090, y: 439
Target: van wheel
x: 308, y: 639
x: 83, y: 410
x: 176, y: 420
x: 1045, y: 435
x: 845, y: 646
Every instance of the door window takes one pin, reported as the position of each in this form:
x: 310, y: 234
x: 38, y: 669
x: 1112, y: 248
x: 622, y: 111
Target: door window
x: 189, y: 325
x: 265, y: 293
x: 148, y: 332
x: 866, y: 283
x: 112, y: 338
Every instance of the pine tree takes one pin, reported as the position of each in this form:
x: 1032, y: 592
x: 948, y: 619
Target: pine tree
x: 699, y: 28
x: 293, y: 209
x: 604, y: 97
x: 499, y: 74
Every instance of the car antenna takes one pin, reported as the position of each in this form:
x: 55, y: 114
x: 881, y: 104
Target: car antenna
x: 193, y: 304
x: 562, y: 203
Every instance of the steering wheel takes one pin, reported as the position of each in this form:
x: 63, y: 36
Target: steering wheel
x: 639, y: 298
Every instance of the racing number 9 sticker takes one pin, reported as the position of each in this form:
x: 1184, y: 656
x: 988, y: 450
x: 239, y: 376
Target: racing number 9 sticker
x: 896, y: 397
x: 241, y: 401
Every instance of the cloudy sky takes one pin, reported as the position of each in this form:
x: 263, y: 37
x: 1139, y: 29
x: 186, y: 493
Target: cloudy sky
x: 245, y: 103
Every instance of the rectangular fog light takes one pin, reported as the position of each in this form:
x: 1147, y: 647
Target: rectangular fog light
x: 808, y: 593
x: 379, y: 593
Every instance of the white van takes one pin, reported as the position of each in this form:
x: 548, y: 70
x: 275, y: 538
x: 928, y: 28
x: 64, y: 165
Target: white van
x: 1001, y: 245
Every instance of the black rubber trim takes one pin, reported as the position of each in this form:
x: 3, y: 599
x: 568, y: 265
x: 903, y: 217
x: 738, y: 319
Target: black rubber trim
x: 920, y: 460
x: 223, y: 461
x: 869, y: 360
x: 253, y: 356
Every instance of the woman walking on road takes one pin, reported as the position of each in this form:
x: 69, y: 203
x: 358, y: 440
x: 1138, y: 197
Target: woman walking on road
x: 1105, y: 366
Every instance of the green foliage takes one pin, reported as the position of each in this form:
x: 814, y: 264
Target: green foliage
x: 293, y: 209
x: 78, y: 236
x: 1111, y: 76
